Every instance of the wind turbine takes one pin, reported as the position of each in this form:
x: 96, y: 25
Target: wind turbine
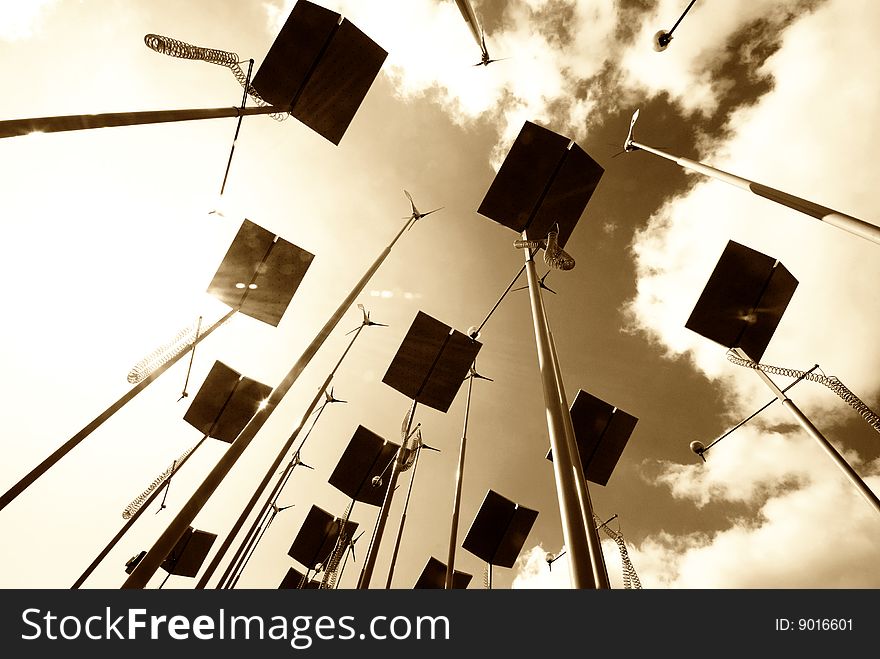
x: 416, y: 213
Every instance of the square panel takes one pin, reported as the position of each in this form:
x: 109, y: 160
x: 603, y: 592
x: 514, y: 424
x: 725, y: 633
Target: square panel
x: 189, y: 553
x: 544, y: 180
x: 260, y: 273
x: 317, y: 537
x: 431, y: 363
x: 499, y: 530
x: 294, y: 579
x: 367, y: 456
x: 225, y: 403
x: 434, y: 576
x: 743, y: 300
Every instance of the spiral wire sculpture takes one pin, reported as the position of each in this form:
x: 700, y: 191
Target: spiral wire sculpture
x: 183, y: 50
x: 182, y: 341
x: 630, y: 577
x: 554, y: 256
x: 831, y: 382
x: 138, y: 501
x: 328, y: 581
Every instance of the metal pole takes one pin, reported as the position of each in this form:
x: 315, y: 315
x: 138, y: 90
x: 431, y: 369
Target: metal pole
x: 573, y: 531
x: 373, y: 551
x: 141, y: 575
x: 146, y: 504
x: 597, y: 558
x: 230, y: 536
x: 21, y: 127
x: 71, y: 443
x: 835, y: 218
x: 412, y: 479
x: 456, y: 502
x: 805, y: 423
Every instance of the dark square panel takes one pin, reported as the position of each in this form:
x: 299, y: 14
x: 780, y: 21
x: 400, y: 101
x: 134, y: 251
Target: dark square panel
x: 431, y: 363
x: 601, y: 432
x: 274, y: 267
x: 189, y: 553
x: 743, y: 298
x: 542, y: 182
x: 322, y: 67
x: 292, y: 56
x: 225, y: 403
x: 294, y: 579
x: 434, y: 576
x: 499, y: 530
x: 367, y: 455
x: 339, y: 83
x: 317, y: 537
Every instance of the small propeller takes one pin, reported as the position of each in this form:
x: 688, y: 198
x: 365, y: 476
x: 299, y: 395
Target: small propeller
x: 416, y: 213
x: 331, y: 398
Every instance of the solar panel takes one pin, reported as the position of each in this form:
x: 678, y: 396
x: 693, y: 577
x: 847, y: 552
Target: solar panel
x: 189, y: 553
x: 225, y: 403
x: 743, y: 300
x: 544, y: 180
x: 434, y: 576
x: 294, y: 579
x: 366, y: 457
x: 431, y: 363
x: 317, y: 538
x: 323, y: 66
x: 601, y: 432
x: 260, y: 273
x: 499, y: 530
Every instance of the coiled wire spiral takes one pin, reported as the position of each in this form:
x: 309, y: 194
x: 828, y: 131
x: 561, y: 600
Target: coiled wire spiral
x: 328, y: 581
x: 176, y: 48
x: 831, y: 382
x: 630, y: 578
x: 139, y: 500
x: 554, y: 256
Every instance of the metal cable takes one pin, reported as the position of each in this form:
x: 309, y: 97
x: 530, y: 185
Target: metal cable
x: 831, y: 382
x: 183, y: 50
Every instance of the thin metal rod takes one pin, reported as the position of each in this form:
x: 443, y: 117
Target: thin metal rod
x: 131, y: 520
x: 680, y: 18
x: 244, y: 97
x: 835, y: 218
x: 456, y: 501
x: 375, y: 541
x: 192, y: 358
x: 279, y: 458
x: 811, y: 430
x: 757, y: 412
x: 573, y: 531
x: 500, y: 299
x: 234, y: 565
x: 412, y: 479
x: 71, y: 443
x: 594, y: 544
x: 21, y: 127
x: 141, y: 575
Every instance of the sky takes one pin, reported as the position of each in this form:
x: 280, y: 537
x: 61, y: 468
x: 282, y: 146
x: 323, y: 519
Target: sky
x: 111, y: 237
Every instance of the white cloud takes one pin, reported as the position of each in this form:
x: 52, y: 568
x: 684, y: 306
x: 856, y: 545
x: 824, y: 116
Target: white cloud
x: 20, y: 20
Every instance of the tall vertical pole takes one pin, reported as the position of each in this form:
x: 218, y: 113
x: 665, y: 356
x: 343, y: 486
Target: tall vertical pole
x: 141, y: 575
x: 375, y: 541
x: 412, y: 479
x: 236, y: 527
x: 597, y: 558
x: 456, y: 502
x: 71, y: 443
x: 811, y: 430
x: 573, y: 530
x: 835, y: 218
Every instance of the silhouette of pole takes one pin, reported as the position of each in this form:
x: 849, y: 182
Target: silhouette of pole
x: 835, y: 218
x: 279, y: 458
x: 564, y: 450
x: 412, y: 479
x: 373, y: 551
x: 71, y: 443
x: 456, y: 501
x: 148, y: 565
x: 21, y: 127
x: 811, y: 430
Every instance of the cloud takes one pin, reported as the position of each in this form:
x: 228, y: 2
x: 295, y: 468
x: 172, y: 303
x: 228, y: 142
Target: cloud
x: 20, y: 20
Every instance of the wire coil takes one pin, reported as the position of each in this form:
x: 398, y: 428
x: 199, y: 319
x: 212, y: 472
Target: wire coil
x: 831, y: 382
x: 630, y: 577
x: 139, y: 500
x: 183, y: 50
